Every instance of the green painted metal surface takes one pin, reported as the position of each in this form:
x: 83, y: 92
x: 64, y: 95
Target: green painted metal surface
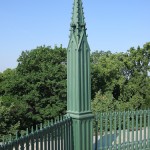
x: 79, y: 80
x: 128, y: 130
x: 78, y: 65
x: 56, y: 135
x: 123, y: 130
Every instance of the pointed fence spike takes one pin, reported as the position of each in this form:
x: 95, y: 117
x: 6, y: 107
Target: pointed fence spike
x: 21, y: 133
x: 45, y: 125
x: 32, y: 129
x: 3, y: 139
x: 27, y: 132
x: 41, y: 126
x: 52, y: 121
x: 10, y: 138
x: 55, y: 120
x: 16, y: 135
x: 48, y: 123
x: 36, y: 127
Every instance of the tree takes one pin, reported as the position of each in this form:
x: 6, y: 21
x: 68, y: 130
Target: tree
x: 124, y: 75
x: 7, y: 122
x: 39, y: 83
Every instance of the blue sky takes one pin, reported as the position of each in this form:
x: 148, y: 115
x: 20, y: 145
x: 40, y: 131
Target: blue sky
x: 114, y: 25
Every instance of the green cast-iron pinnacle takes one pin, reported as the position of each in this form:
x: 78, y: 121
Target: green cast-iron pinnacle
x: 78, y: 64
x: 77, y: 22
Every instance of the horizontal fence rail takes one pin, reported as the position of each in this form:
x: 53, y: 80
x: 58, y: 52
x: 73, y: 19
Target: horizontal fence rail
x: 55, y: 135
x: 122, y: 130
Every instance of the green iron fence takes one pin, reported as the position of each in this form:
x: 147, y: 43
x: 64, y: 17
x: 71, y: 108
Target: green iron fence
x: 122, y: 130
x: 55, y: 135
x: 112, y: 131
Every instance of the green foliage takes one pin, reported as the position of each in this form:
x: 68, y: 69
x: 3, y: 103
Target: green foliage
x: 125, y: 76
x: 103, y: 103
x: 7, y: 123
x: 37, y: 87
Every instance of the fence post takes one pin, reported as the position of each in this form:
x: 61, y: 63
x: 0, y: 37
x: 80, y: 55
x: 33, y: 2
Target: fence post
x: 78, y: 81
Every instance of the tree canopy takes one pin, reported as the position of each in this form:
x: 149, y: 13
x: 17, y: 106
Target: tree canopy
x: 36, y: 90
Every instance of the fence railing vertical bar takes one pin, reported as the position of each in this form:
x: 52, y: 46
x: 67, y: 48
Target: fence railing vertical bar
x: 83, y: 134
x: 119, y: 147
x: 141, y: 113
x: 27, y: 139
x: 52, y: 134
x: 45, y: 140
x: 124, y: 123
x: 132, y: 146
x: 86, y: 134
x: 70, y: 137
x: 128, y: 129
x: 68, y: 134
x: 149, y: 128
x: 145, y: 113
x: 10, y: 139
x: 137, y: 130
x: 57, y: 124
x: 71, y: 134
x: 96, y: 132
x: 64, y: 136
x: 106, y: 129
x: 15, y: 143
x: 36, y: 138
x: 62, y: 142
x: 110, y: 142
x: 55, y: 133
x: 32, y: 138
x: 22, y: 142
x: 41, y: 137
x: 48, y: 136
x: 115, y: 131
x: 101, y: 131
x: 58, y: 132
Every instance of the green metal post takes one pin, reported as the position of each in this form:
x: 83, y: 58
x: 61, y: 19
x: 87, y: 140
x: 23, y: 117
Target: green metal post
x: 78, y: 81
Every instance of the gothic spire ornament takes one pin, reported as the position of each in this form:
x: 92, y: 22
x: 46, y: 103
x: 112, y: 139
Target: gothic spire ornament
x: 79, y: 80
x: 78, y: 61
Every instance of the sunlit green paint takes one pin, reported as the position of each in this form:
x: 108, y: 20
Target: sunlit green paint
x: 79, y: 80
x: 129, y: 130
